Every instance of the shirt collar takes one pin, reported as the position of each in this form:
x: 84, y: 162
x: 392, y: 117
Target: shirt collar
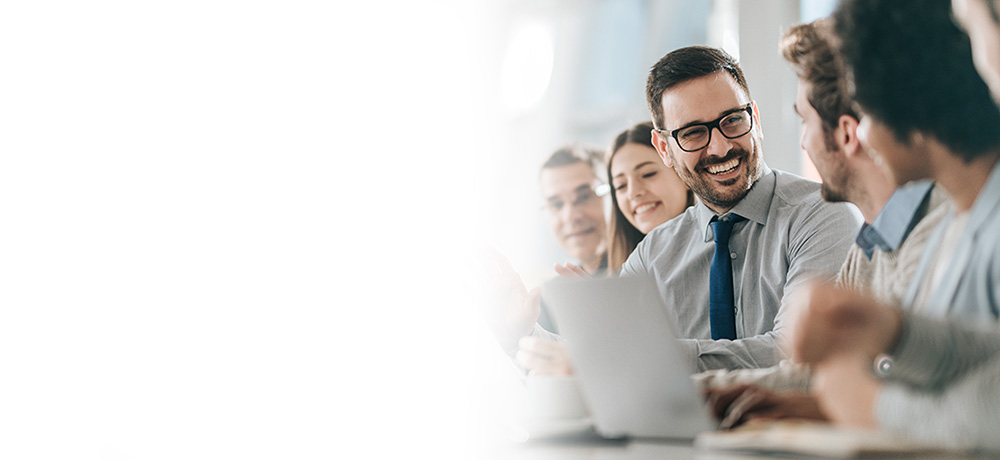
x: 754, y: 206
x: 986, y: 203
x: 905, y: 208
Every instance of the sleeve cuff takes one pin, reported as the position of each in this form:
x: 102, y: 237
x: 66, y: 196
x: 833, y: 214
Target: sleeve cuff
x: 690, y: 351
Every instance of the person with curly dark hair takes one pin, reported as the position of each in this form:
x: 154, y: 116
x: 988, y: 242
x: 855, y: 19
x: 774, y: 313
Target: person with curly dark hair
x: 927, y: 113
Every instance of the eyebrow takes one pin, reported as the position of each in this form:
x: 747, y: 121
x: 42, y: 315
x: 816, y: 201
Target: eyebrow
x: 723, y: 114
x: 644, y: 163
x: 581, y: 188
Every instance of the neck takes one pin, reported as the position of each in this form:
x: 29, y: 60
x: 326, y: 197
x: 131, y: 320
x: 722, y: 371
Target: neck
x: 718, y: 210
x: 875, y: 193
x: 962, y: 180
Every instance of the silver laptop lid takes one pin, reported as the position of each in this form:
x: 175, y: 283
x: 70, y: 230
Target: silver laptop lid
x: 622, y: 344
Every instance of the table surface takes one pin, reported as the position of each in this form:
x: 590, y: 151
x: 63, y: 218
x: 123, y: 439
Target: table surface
x: 643, y: 450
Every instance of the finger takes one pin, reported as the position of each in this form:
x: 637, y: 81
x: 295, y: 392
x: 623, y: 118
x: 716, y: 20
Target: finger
x: 578, y: 270
x: 565, y: 271
x: 547, y: 354
x: 746, y: 402
x: 719, y: 399
x: 539, y: 363
x: 540, y: 346
x: 787, y: 411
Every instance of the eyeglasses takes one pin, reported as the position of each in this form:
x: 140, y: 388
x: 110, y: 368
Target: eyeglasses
x: 582, y: 196
x: 697, y: 136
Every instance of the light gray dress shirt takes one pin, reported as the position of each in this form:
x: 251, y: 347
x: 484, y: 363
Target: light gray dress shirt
x: 790, y: 235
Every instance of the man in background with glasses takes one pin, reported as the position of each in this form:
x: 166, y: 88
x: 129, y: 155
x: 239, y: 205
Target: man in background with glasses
x: 573, y: 195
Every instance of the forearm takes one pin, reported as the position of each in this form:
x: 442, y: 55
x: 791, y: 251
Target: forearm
x: 752, y: 352
x: 930, y: 352
x: 785, y: 377
x: 965, y: 414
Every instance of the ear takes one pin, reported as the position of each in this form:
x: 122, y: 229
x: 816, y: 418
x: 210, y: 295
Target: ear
x: 756, y: 119
x: 661, y: 144
x: 847, y: 135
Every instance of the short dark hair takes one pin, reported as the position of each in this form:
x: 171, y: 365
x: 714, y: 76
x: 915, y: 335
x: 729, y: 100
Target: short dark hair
x: 685, y: 64
x: 912, y: 70
x: 813, y: 55
x: 575, y: 153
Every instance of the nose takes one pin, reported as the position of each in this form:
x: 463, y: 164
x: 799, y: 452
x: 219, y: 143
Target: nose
x: 571, y: 212
x: 635, y: 190
x: 718, y: 145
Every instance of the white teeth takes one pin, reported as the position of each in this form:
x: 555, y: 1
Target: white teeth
x: 724, y: 167
x: 644, y: 208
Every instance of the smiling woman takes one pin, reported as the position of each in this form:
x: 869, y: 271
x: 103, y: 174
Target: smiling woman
x: 646, y: 193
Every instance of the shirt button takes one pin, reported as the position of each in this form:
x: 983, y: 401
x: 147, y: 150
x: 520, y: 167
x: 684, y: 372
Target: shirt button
x: 732, y: 255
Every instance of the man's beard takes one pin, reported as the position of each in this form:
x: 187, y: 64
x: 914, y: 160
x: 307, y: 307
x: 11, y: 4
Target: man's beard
x: 708, y: 189
x: 832, y: 196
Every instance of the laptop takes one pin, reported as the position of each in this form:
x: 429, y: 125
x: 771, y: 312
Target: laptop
x: 622, y: 344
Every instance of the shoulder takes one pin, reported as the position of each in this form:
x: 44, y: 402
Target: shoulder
x: 790, y: 189
x: 685, y: 224
x: 938, y: 209
x: 798, y: 196
x: 660, y: 241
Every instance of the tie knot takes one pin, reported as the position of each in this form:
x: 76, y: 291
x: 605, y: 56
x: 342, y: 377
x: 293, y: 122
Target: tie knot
x: 722, y: 228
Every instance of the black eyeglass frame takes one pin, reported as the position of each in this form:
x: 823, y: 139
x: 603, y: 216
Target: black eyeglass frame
x: 710, y: 125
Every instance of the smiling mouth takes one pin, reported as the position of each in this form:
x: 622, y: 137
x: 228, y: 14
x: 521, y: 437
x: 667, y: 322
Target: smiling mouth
x: 723, y: 168
x: 581, y: 233
x: 645, y: 208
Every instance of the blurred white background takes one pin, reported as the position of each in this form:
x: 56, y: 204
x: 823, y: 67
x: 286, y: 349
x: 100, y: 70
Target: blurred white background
x: 241, y: 229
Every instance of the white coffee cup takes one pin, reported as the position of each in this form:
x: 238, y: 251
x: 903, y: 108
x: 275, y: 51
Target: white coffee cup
x: 553, y: 397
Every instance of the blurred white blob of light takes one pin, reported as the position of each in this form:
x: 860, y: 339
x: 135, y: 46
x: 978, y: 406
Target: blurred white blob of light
x: 527, y: 66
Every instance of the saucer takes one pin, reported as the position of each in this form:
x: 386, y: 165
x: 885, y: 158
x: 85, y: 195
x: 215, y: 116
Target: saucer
x: 556, y: 428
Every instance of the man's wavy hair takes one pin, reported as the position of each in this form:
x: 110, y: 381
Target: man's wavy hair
x: 811, y: 50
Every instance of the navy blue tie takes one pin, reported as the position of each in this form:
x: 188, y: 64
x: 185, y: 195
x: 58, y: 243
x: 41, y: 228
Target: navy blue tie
x: 721, y: 311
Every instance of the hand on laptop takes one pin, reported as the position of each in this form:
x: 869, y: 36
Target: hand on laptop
x: 741, y: 403
x: 829, y: 320
x: 510, y: 309
x: 570, y: 271
x: 839, y: 332
x: 543, y: 357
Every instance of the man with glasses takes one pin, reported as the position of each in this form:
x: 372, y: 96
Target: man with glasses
x: 729, y: 296
x: 571, y: 190
x: 572, y: 193
x: 724, y: 266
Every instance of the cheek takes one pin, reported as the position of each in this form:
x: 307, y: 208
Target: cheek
x: 808, y: 137
x: 670, y: 192
x: 596, y: 212
x: 555, y: 223
x: 688, y: 165
x: 623, y: 205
